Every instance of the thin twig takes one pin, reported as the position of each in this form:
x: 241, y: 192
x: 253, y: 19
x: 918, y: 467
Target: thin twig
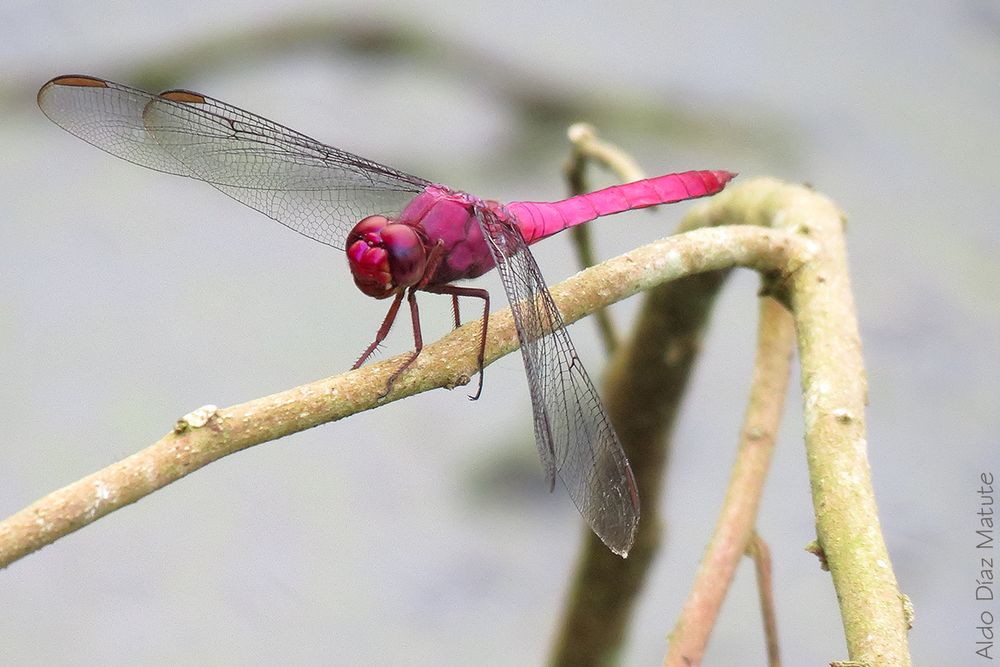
x: 217, y: 432
x: 586, y: 147
x: 734, y: 528
x: 761, y: 555
x: 585, y: 142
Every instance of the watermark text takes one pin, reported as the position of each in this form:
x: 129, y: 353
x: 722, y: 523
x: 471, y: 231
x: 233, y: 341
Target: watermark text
x: 986, y: 583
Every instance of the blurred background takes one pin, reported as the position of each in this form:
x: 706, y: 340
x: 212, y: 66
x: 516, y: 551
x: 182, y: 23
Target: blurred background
x: 422, y: 532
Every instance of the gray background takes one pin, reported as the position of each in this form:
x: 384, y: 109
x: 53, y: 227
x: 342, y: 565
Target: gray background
x: 422, y: 533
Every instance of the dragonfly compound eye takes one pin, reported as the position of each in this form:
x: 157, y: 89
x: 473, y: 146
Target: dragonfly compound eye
x: 384, y: 256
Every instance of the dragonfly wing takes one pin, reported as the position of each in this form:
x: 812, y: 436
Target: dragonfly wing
x: 312, y: 188
x: 572, y: 430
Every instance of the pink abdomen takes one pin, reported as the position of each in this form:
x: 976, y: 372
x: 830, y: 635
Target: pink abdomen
x: 539, y: 220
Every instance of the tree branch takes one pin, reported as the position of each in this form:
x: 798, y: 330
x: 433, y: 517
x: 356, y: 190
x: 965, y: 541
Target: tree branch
x: 208, y: 435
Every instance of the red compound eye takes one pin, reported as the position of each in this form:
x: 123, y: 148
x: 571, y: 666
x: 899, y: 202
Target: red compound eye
x: 384, y: 256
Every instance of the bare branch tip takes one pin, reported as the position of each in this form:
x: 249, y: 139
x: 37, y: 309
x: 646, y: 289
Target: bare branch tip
x: 581, y: 132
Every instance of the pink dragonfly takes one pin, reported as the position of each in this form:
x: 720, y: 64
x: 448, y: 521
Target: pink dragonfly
x: 402, y: 235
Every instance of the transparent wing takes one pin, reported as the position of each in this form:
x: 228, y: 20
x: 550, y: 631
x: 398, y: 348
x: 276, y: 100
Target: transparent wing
x: 573, y: 433
x: 314, y: 189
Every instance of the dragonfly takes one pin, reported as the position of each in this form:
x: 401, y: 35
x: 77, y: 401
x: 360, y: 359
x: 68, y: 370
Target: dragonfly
x: 402, y: 235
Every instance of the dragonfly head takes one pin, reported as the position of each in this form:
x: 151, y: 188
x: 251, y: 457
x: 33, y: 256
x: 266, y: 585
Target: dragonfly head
x: 385, y: 256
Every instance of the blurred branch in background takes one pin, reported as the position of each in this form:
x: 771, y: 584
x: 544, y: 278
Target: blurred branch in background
x: 549, y: 104
x: 544, y: 105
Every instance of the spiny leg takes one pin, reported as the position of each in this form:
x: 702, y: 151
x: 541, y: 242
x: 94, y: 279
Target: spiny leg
x: 456, y: 292
x: 433, y: 259
x: 418, y: 340
x: 455, y: 311
x: 383, y: 331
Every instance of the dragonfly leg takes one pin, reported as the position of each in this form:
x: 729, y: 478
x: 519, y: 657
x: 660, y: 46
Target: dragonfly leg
x: 456, y: 292
x: 455, y: 311
x: 383, y: 331
x: 418, y: 339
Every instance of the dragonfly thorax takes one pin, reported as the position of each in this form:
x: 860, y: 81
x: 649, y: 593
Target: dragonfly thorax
x: 385, y: 256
